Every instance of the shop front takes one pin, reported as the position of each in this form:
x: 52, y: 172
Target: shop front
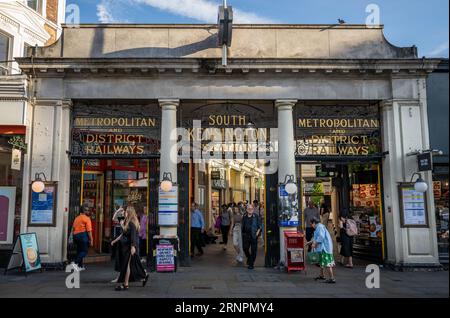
x: 114, y: 156
x: 338, y: 157
x: 344, y: 119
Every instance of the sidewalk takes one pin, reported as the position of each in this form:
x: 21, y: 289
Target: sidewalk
x: 215, y: 274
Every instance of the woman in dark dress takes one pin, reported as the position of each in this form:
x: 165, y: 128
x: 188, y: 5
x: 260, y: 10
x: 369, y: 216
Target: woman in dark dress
x: 346, y: 244
x: 131, y: 267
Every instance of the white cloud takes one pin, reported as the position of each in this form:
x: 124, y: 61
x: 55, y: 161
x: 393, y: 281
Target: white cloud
x: 202, y: 10
x: 104, y: 12
x: 442, y: 48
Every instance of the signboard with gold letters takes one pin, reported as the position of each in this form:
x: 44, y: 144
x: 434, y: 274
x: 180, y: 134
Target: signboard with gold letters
x: 134, y: 131
x: 337, y: 130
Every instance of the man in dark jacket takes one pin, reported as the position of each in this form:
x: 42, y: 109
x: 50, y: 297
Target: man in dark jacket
x: 251, y: 228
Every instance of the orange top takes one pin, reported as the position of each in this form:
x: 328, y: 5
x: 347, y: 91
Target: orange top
x: 82, y: 224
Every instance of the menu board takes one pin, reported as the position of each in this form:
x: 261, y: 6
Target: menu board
x: 165, y: 258
x: 30, y: 251
x: 413, y: 206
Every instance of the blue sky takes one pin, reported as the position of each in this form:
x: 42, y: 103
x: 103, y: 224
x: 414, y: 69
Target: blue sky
x: 423, y: 23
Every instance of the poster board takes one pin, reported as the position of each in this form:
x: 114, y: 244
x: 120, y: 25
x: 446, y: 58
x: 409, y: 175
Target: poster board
x: 413, y: 207
x: 168, y: 207
x: 25, y: 254
x: 42, y: 211
x: 165, y: 258
x: 288, y: 208
x: 7, y: 208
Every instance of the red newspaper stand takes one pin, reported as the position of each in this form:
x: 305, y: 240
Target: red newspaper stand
x: 295, y: 251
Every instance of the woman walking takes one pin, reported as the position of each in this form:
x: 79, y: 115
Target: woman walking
x: 346, y: 244
x: 225, y: 224
x: 131, y: 269
x: 323, y: 244
x: 237, y: 233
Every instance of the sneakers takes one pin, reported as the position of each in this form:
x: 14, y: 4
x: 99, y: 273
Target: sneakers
x: 115, y: 280
x: 330, y: 281
x: 83, y: 268
x: 250, y: 267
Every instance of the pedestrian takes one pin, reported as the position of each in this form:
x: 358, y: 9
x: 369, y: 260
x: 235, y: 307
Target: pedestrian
x: 322, y: 243
x: 82, y: 235
x: 251, y: 228
x: 197, y: 227
x: 261, y: 213
x: 346, y: 243
x: 310, y: 213
x: 131, y: 269
x: 142, y: 233
x: 237, y: 234
x: 324, y: 212
x: 256, y: 208
x: 225, y: 224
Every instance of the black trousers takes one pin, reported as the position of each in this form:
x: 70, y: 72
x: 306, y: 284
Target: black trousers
x: 196, y: 240
x: 250, y: 247
x: 309, y: 235
x: 225, y: 230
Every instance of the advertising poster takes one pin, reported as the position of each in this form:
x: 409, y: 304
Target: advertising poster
x: 42, y: 206
x: 30, y: 251
x: 375, y: 227
x: 288, y: 208
x: 165, y: 258
x: 7, y: 206
x: 16, y: 159
x: 168, y: 207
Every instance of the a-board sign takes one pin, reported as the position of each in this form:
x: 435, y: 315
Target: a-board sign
x: 165, y: 258
x: 25, y: 253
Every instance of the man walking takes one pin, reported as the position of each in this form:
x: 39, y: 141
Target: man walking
x: 251, y: 228
x: 310, y: 213
x: 197, y: 227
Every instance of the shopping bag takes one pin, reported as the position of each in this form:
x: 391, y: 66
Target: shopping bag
x: 313, y: 257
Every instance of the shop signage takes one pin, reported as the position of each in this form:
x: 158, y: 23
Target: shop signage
x: 437, y: 189
x: 337, y: 131
x: 16, y: 159
x: 165, y: 258
x: 168, y: 207
x: 18, y: 142
x: 7, y: 208
x: 43, y: 206
x: 115, y: 136
x: 413, y: 206
x: 425, y: 161
x: 25, y: 253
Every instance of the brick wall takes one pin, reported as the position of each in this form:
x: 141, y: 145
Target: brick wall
x: 52, y: 10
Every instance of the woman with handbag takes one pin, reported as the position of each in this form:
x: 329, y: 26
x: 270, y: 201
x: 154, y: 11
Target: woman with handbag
x: 322, y: 243
x: 131, y: 268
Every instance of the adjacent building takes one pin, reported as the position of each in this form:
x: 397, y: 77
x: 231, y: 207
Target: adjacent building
x: 23, y: 25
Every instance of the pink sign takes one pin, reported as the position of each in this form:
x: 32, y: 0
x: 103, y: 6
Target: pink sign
x: 4, y: 211
x: 165, y: 258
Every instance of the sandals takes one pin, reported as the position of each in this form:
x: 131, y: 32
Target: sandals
x: 319, y: 278
x: 144, y: 282
x: 121, y: 288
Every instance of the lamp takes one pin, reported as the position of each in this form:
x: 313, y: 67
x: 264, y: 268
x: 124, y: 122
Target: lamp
x: 289, y: 185
x: 166, y: 183
x: 38, y: 184
x: 420, y: 185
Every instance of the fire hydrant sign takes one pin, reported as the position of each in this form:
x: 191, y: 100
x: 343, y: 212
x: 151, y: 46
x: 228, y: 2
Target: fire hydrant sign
x: 165, y: 258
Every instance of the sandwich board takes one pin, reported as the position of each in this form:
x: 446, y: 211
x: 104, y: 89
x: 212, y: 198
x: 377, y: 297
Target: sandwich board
x: 25, y: 254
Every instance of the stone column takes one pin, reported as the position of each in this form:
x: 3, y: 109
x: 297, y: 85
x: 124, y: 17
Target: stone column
x: 286, y: 152
x: 49, y: 140
x: 168, y: 159
x: 405, y: 130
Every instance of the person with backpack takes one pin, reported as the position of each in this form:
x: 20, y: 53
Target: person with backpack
x: 348, y: 229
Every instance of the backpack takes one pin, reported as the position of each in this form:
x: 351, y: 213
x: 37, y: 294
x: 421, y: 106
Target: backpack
x: 351, y: 227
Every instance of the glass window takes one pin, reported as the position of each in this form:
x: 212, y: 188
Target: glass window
x: 35, y: 4
x: 5, y: 42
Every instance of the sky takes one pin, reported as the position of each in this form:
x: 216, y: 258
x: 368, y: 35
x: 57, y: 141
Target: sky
x: 406, y: 22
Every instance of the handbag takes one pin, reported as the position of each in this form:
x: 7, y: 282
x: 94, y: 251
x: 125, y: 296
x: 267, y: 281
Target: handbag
x: 313, y: 257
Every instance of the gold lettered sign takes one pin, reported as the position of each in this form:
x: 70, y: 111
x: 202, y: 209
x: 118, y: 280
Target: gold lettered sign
x: 112, y: 136
x: 337, y: 131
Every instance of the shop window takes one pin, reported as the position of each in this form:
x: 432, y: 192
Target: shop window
x: 36, y: 5
x: 10, y: 190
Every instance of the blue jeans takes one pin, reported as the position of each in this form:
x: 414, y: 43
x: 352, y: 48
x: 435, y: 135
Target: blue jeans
x: 82, y: 242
